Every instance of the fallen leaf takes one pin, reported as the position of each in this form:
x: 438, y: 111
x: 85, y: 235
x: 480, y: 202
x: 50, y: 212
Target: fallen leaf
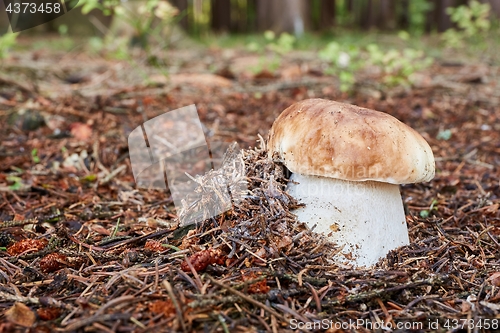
x: 209, y: 80
x: 492, y: 209
x: 495, y: 279
x: 264, y: 75
x: 80, y: 131
x: 189, y: 240
x: 20, y: 314
x: 165, y: 307
x: 158, y: 80
x: 293, y: 72
x: 283, y: 242
x: 226, y: 73
x: 259, y: 287
x: 492, y: 306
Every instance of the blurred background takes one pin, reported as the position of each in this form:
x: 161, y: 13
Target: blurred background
x: 349, y: 36
x: 138, y: 59
x: 198, y: 17
x: 399, y: 37
x: 151, y: 21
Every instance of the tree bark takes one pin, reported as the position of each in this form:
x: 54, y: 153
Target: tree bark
x: 441, y: 18
x: 367, y: 17
x: 182, y: 5
x: 327, y: 14
x: 495, y: 6
x: 283, y: 15
x: 221, y: 15
x: 386, y: 14
x: 4, y: 19
x: 404, y: 18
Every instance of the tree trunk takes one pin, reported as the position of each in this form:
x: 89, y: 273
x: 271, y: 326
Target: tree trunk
x: 386, y: 14
x: 283, y: 15
x: 327, y: 14
x: 404, y: 18
x: 367, y: 17
x: 441, y: 18
x: 182, y: 5
x: 4, y: 19
x: 252, y: 15
x: 495, y: 7
x: 221, y: 15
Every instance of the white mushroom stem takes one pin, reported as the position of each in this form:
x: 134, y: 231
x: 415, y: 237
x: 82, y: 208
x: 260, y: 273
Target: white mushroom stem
x: 366, y: 218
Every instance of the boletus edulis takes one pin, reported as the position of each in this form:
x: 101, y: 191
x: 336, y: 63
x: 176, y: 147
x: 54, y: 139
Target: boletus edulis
x: 347, y: 163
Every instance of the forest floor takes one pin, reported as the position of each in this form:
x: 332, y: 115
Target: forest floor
x: 83, y: 249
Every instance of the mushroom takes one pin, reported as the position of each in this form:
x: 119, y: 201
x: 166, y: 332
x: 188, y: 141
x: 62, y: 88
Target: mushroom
x: 347, y: 164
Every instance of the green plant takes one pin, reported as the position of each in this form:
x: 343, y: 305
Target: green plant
x: 271, y: 65
x: 418, y: 10
x: 281, y: 45
x: 7, y: 41
x: 175, y: 248
x: 344, y: 62
x: 115, y: 230
x: 17, y: 183
x: 34, y: 156
x: 444, y: 135
x: 472, y: 20
x: 427, y: 212
x: 397, y: 66
x: 63, y: 30
x: 118, y: 48
x: 89, y: 178
x: 140, y: 19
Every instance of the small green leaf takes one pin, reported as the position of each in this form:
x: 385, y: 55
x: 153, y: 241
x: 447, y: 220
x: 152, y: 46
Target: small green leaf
x: 424, y: 213
x: 444, y: 135
x: 254, y: 47
x: 175, y: 248
x: 17, y: 169
x: 63, y: 29
x: 433, y: 204
x: 404, y: 35
x: 34, y: 155
x: 113, y: 235
x: 17, y: 182
x: 89, y: 178
x: 89, y: 6
x: 269, y: 35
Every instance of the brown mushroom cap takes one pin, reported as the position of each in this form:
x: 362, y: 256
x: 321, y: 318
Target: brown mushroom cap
x: 343, y: 141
